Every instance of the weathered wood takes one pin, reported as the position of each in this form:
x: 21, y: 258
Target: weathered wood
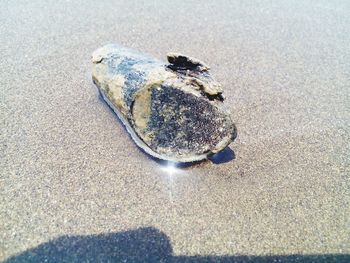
x: 172, y: 111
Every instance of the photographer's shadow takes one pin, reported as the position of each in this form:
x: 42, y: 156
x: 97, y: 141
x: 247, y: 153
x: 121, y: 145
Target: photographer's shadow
x: 139, y: 245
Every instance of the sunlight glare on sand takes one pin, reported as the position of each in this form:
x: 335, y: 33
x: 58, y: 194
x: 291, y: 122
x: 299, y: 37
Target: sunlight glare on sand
x: 170, y: 169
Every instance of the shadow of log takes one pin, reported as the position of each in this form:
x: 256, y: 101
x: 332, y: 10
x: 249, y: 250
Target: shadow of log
x: 224, y: 156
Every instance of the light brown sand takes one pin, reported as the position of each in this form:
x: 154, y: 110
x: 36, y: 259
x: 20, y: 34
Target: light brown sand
x: 68, y: 167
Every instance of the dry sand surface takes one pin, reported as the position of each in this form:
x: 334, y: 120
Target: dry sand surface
x: 75, y: 187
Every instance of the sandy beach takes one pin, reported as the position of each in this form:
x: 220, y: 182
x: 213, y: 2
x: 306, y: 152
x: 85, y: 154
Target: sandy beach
x: 74, y: 186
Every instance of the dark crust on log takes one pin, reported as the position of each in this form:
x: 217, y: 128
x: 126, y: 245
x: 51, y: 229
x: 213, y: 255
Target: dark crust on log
x: 184, y: 122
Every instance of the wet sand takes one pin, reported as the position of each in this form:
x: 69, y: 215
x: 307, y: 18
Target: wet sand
x: 69, y: 168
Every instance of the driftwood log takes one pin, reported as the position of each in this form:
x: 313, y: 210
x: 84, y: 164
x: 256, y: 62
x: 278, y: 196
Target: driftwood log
x: 173, y: 111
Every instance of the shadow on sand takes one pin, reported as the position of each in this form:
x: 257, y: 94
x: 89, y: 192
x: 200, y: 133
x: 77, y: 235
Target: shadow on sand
x: 224, y: 156
x: 139, y: 245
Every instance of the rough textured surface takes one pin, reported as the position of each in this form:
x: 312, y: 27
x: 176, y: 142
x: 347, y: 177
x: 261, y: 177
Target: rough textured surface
x: 68, y: 169
x: 187, y: 123
x: 172, y: 111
